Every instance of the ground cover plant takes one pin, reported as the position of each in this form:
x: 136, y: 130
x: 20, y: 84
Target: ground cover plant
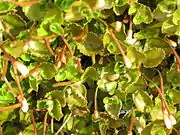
x: 89, y: 67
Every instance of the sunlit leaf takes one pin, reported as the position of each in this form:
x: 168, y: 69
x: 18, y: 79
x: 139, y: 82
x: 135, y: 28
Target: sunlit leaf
x: 176, y: 19
x: 14, y: 20
x: 5, y: 6
x: 35, y: 11
x: 56, y: 28
x: 59, y: 95
x: 90, y: 73
x: 38, y: 48
x: 53, y: 107
x: 154, y: 57
x: 113, y: 106
x: 15, y: 48
x: 6, y: 97
x: 47, y: 70
x: 142, y: 100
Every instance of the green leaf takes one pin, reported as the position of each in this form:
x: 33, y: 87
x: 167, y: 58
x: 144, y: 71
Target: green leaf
x: 68, y: 73
x: 113, y: 106
x: 159, y: 131
x: 176, y: 19
x: 56, y: 28
x: 34, y: 11
x: 154, y: 57
x: 53, y: 107
x: 90, y: 74
x: 54, y: 15
x: 142, y: 100
x: 16, y: 48
x: 6, y: 97
x: 14, y: 20
x: 63, y: 4
x: 35, y: 79
x: 76, y: 95
x: 135, y: 56
x: 29, y: 130
x: 91, y: 46
x: 143, y: 13
x: 7, y: 116
x: 174, y: 95
x: 78, y: 11
x: 38, y: 48
x: 169, y: 27
x: 58, y: 95
x: 5, y: 6
x: 173, y: 76
x: 47, y: 70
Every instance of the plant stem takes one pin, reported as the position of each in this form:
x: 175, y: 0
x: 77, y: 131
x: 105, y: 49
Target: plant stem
x: 159, y: 90
x: 68, y: 45
x: 59, y: 130
x: 18, y: 105
x: 12, y: 59
x: 49, y: 47
x: 4, y: 69
x: 175, y: 54
x: 7, y: 31
x: 62, y: 84
x: 95, y: 103
x: 9, y: 86
x: 44, y: 123
x: 18, y: 82
x: 52, y: 125
x: 31, y: 72
x: 131, y: 124
x: 34, y: 124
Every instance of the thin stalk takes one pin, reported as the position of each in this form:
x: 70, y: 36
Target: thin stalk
x: 11, y: 107
x: 159, y: 91
x: 31, y: 72
x: 68, y: 45
x: 95, y: 103
x: 44, y: 123
x: 116, y: 41
x: 62, y: 84
x: 162, y: 90
x: 34, y: 124
x: 18, y: 82
x: 12, y: 59
x: 4, y: 69
x: 49, y: 47
x: 7, y: 31
x: 175, y: 53
x: 52, y: 125
x: 9, y: 86
x: 131, y: 124
x: 62, y: 126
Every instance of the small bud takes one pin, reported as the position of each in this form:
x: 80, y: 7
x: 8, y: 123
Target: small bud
x: 118, y: 26
x: 26, y: 47
x: 174, y: 44
x: 113, y: 77
x: 129, y: 34
x: 169, y: 120
x: 24, y: 105
x: 127, y: 62
x: 130, y: 133
x: 100, y: 4
x: 173, y: 120
x: 21, y: 68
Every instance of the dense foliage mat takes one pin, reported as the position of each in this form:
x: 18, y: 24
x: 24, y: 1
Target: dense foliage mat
x: 89, y: 67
